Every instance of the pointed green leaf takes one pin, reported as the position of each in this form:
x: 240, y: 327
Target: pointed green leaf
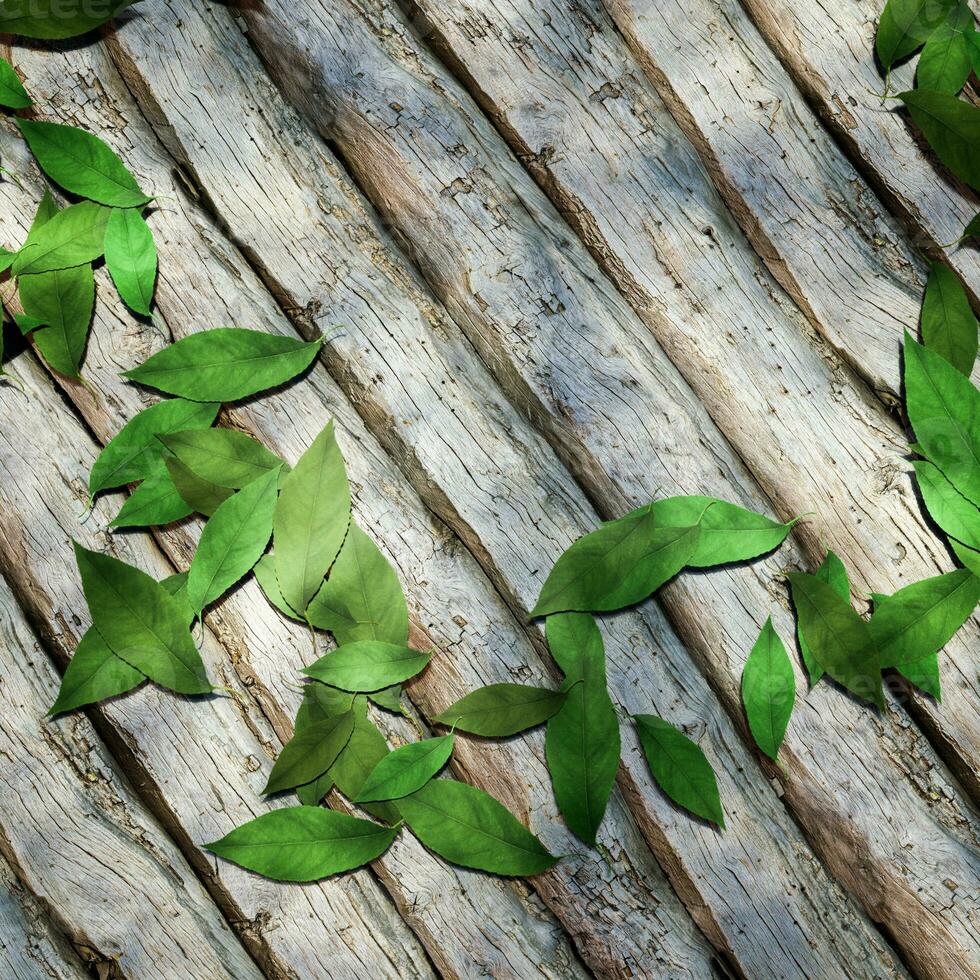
x: 362, y: 599
x: 63, y: 301
x: 131, y: 258
x: 225, y: 457
x: 82, y: 164
x: 502, y: 709
x: 303, y: 843
x: 153, y: 503
x: 619, y: 564
x: 265, y: 574
x: 956, y: 515
x: 176, y: 585
x: 390, y: 699
x: 967, y: 557
x: 952, y: 128
x: 944, y: 64
x: 72, y: 237
x: 406, y: 770
x: 141, y: 622
x: 225, y: 364
x: 54, y: 20
x: 366, y: 748
x: 924, y: 674
x: 582, y: 740
x: 94, y: 673
x: 232, y: 541
x: 920, y: 619
x: 906, y: 25
x: 311, y: 521
x: 134, y: 452
x: 680, y: 768
x: 768, y: 690
x: 944, y: 409
x: 833, y: 572
x: 199, y: 494
x: 310, y: 753
x: 948, y: 325
x: 467, y: 826
x: 368, y: 665
x: 840, y: 640
x: 12, y: 92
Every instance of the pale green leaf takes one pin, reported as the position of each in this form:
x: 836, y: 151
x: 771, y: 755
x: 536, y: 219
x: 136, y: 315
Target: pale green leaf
x: 225, y: 457
x: 406, y: 770
x: 199, y: 494
x: 368, y: 665
x: 153, y: 503
x: 502, y: 709
x: 956, y: 515
x: 93, y: 674
x: 310, y: 752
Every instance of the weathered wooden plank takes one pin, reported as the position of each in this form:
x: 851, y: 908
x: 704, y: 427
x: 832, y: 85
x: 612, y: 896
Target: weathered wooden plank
x: 828, y: 49
x: 84, y: 845
x: 201, y: 763
x: 620, y: 912
x: 395, y: 131
x: 30, y: 947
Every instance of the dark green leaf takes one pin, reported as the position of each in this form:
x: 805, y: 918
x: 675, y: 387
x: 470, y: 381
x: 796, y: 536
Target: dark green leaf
x: 72, y: 237
x: 833, y: 572
x: 310, y: 752
x: 944, y: 409
x: 973, y: 47
x: 680, y: 768
x: 199, y: 494
x: 839, y: 639
x: 469, y: 827
x: 617, y: 565
x: 390, y: 699
x: 368, y: 665
x: 906, y: 25
x: 924, y: 674
x: 502, y: 709
x: 131, y: 258
x: 176, y: 585
x: 948, y: 325
x: 63, y: 301
x: 582, y: 740
x: 134, y: 453
x: 141, y: 622
x: 956, y: 515
x: 154, y: 502
x: 12, y: 93
x: 311, y: 521
x: 224, y: 457
x: 362, y: 599
x: 944, y: 64
x: 304, y: 843
x: 55, y: 20
x: 406, y: 770
x: 972, y: 230
x: 952, y: 128
x: 225, y: 364
x: 768, y: 690
x: 82, y: 164
x: 920, y: 619
x: 94, y: 673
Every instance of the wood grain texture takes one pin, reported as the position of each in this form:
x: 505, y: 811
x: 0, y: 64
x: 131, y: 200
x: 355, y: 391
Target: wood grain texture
x: 84, y: 845
x: 620, y: 911
x: 537, y: 310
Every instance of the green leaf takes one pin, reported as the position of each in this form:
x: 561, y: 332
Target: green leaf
x: 833, y: 572
x: 944, y: 64
x: 304, y: 843
x: 502, y: 709
x: 225, y: 364
x: 967, y: 556
x: 265, y: 574
x: 952, y: 128
x: 406, y: 770
x: 54, y: 20
x: 131, y: 258
x: 956, y: 515
x: 82, y: 164
x: 768, y: 690
x: 74, y: 236
x: 840, y: 640
x: 6, y: 259
x: 948, y: 325
x: 906, y: 25
x: 390, y: 699
x: 582, y: 740
x: 63, y: 301
x: 225, y: 457
x: 728, y: 533
x: 617, y: 565
x: 362, y: 599
x: 200, y: 495
x: 232, y: 541
x: 47, y: 208
x: 973, y: 47
x: 134, y: 452
x: 310, y: 752
x: 12, y: 92
x: 972, y: 230
x: 367, y: 665
x: 176, y: 585
x: 469, y: 827
x: 153, y: 503
x: 944, y: 409
x: 311, y: 521
x: 94, y: 673
x: 680, y: 768
x: 141, y: 622
x: 924, y: 674
x: 920, y: 619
